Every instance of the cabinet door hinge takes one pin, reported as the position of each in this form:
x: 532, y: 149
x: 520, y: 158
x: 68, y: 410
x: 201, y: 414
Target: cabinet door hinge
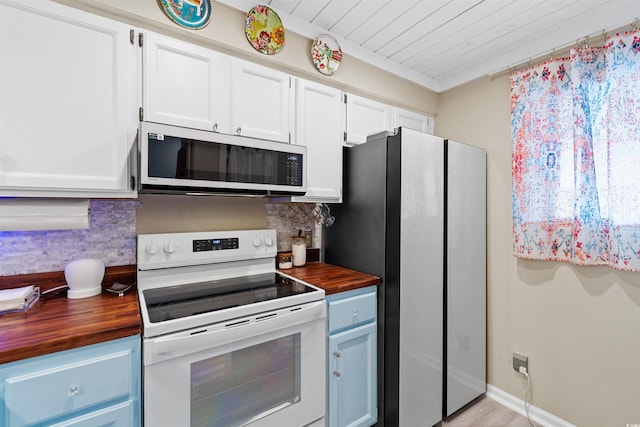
x: 132, y: 36
x: 141, y: 114
x: 344, y: 136
x: 140, y: 39
x: 132, y: 182
x: 344, y: 96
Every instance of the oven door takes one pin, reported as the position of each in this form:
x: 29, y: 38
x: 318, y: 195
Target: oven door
x: 262, y: 370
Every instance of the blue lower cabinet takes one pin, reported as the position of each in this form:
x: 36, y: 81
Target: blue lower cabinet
x: 352, y: 360
x: 96, y: 385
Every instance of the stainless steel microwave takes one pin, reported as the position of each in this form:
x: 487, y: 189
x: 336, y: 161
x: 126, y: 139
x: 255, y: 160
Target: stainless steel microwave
x: 181, y: 160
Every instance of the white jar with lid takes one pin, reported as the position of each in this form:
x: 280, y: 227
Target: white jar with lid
x: 299, y: 251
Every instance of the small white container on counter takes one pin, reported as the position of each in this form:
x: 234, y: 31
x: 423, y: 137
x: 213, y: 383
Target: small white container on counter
x: 84, y: 277
x: 284, y: 260
x: 299, y: 251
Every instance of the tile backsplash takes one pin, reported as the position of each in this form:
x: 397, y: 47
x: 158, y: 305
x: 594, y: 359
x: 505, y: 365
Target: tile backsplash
x: 289, y: 218
x: 111, y: 237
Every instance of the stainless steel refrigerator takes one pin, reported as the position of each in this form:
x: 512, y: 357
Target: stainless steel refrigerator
x: 414, y: 213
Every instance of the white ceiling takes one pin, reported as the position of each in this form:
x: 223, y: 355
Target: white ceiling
x: 441, y: 44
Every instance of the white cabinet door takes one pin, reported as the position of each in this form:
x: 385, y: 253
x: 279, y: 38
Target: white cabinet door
x: 68, y: 114
x: 366, y: 117
x: 185, y: 84
x: 319, y: 127
x: 411, y: 120
x: 262, y: 102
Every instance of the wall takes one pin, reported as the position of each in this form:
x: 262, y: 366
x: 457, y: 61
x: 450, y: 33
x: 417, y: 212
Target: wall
x: 111, y: 237
x: 171, y: 214
x: 580, y: 326
x: 163, y: 213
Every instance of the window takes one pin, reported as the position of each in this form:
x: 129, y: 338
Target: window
x: 575, y: 125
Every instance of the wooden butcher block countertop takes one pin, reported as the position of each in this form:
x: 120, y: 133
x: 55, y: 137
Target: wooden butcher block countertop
x: 56, y: 323
x: 331, y: 278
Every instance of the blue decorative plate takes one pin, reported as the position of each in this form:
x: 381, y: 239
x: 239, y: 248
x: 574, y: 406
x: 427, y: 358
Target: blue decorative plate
x: 192, y: 14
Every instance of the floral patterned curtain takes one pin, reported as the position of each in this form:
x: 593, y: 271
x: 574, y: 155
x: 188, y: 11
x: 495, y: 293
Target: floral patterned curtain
x: 575, y: 126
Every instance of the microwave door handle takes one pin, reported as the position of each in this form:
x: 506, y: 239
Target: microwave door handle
x: 241, y: 328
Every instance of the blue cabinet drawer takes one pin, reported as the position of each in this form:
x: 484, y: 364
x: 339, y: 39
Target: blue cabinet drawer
x: 121, y: 414
x: 352, y: 311
x: 64, y: 389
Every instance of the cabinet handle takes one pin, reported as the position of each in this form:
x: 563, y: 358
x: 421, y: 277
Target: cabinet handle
x: 337, y: 374
x: 74, y: 390
x: 238, y: 130
x: 336, y: 353
x: 355, y: 313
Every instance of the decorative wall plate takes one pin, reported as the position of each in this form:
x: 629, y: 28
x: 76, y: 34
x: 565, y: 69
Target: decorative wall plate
x: 326, y: 54
x: 264, y: 30
x: 192, y: 14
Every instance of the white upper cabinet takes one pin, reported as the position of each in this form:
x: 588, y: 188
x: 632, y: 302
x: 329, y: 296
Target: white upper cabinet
x: 411, y: 120
x: 68, y: 110
x: 320, y: 127
x: 262, y: 102
x: 365, y: 117
x: 185, y: 84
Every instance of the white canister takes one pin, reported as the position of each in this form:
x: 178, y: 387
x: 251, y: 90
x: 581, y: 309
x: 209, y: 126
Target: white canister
x: 299, y: 251
x: 84, y: 277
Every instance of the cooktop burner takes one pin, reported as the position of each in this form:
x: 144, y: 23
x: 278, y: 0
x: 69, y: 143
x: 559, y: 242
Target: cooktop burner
x: 184, y: 300
x: 189, y: 280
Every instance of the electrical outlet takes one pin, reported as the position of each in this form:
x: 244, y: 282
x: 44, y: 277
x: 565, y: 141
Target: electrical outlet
x: 520, y: 359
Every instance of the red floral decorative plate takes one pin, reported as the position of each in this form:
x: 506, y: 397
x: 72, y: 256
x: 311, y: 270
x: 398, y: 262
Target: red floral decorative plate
x: 264, y: 30
x: 326, y: 54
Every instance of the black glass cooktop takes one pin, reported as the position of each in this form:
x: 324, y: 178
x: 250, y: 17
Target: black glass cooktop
x: 191, y: 299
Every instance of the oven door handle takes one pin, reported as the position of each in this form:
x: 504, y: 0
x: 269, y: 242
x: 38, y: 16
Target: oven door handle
x: 238, y: 329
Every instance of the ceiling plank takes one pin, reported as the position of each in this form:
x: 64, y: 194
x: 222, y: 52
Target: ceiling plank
x: 414, y: 24
x: 286, y: 6
x: 356, y: 16
x: 379, y: 19
x: 422, y: 14
x: 332, y: 13
x: 554, y: 36
x: 306, y: 10
x: 429, y: 40
x: 530, y: 25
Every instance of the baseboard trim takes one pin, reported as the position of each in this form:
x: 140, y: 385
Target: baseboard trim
x: 539, y: 416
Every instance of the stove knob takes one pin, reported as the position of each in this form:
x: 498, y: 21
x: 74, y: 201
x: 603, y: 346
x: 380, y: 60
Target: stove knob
x: 170, y: 247
x: 268, y: 241
x: 151, y: 248
x: 257, y: 242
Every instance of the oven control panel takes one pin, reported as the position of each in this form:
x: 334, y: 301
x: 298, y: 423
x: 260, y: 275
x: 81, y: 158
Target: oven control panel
x: 201, y: 245
x: 183, y: 249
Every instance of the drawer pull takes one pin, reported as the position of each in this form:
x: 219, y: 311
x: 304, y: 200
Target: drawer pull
x: 74, y: 390
x: 355, y: 313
